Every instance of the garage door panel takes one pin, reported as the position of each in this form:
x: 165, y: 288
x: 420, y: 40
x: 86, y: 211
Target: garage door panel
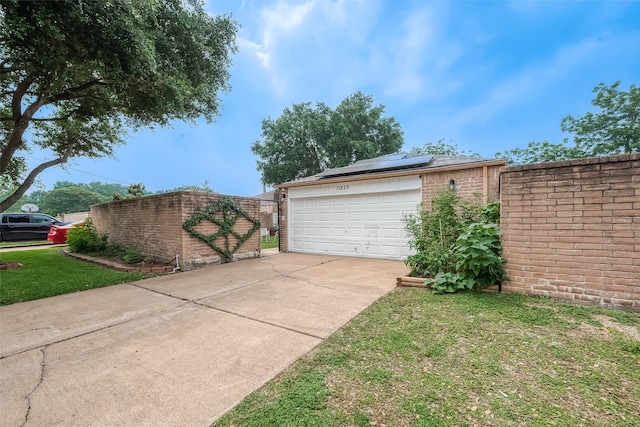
x: 355, y: 217
x: 338, y: 217
x: 353, y: 225
x: 390, y: 198
x: 390, y: 251
x: 324, y: 216
x: 391, y: 233
x: 324, y: 232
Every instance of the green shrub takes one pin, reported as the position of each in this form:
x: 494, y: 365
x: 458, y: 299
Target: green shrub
x: 132, y: 255
x: 450, y: 282
x: 85, y: 239
x: 479, y: 254
x: 479, y: 264
x: 457, y: 244
x: 432, y: 233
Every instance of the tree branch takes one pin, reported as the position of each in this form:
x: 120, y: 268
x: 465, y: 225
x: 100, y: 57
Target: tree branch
x: 28, y: 182
x: 52, y: 119
x: 16, y: 102
x: 73, y: 92
x: 5, y: 70
x: 48, y: 119
x: 15, y: 138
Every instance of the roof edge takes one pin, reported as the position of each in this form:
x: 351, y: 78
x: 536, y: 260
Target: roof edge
x: 393, y: 174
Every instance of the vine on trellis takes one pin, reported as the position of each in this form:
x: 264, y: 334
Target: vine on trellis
x: 225, y: 213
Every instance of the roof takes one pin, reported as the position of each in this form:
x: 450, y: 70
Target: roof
x: 266, y: 197
x: 398, y: 163
x: 383, y: 163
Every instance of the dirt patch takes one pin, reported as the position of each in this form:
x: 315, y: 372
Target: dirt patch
x: 9, y: 265
x: 632, y: 331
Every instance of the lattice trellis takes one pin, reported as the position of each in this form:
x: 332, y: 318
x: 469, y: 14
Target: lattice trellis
x: 225, y: 213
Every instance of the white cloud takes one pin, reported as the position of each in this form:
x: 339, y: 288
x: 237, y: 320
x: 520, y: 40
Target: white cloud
x: 276, y: 23
x: 530, y: 80
x: 302, y: 44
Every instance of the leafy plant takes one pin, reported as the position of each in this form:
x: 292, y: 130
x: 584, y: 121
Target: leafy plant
x: 450, y: 282
x: 457, y: 243
x: 432, y: 233
x: 491, y: 213
x: 479, y: 254
x: 85, y: 239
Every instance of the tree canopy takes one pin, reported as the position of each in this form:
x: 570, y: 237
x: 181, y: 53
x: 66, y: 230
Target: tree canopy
x: 613, y: 130
x: 443, y: 148
x: 74, y: 75
x: 616, y: 129
x: 70, y: 199
x: 306, y: 140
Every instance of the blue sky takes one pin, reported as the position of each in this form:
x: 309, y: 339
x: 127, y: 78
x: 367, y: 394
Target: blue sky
x: 487, y: 76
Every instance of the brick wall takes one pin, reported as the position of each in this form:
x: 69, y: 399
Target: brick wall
x: 481, y: 181
x: 73, y: 217
x: 153, y: 224
x: 283, y: 231
x: 571, y: 230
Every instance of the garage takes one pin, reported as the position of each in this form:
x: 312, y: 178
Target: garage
x: 357, y: 210
x: 358, y: 218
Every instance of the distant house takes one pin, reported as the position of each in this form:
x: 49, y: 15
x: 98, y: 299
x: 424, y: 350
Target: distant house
x: 268, y: 209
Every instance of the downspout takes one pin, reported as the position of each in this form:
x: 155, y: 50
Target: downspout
x: 279, y: 229
x: 177, y: 264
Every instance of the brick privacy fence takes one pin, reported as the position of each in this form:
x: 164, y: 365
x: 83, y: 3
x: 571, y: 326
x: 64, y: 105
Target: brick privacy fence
x: 73, y: 217
x: 571, y: 230
x: 153, y: 224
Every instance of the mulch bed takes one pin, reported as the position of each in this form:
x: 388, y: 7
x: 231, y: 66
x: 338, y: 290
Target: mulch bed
x: 143, y: 267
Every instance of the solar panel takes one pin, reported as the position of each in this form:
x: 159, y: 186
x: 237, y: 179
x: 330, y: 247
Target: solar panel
x: 383, y: 163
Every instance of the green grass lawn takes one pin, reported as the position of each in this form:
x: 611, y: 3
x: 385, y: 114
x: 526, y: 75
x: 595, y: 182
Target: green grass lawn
x: 419, y: 359
x: 48, y: 272
x: 268, y: 244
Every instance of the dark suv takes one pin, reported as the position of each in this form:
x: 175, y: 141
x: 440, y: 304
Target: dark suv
x: 26, y: 226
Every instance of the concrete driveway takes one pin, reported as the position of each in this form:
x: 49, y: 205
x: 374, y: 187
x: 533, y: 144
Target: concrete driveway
x: 180, y: 349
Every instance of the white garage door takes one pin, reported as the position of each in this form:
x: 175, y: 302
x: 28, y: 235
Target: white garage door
x: 365, y: 224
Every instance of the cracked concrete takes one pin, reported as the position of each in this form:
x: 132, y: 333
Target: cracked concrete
x: 28, y: 396
x: 179, y: 349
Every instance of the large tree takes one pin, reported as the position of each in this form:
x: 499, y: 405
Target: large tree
x: 70, y: 199
x: 306, y: 140
x: 75, y: 74
x: 613, y: 130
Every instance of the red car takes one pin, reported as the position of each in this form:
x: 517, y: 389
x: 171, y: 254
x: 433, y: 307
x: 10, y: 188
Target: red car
x: 58, y: 233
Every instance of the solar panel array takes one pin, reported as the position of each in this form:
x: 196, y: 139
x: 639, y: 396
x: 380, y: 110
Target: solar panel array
x: 379, y: 164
